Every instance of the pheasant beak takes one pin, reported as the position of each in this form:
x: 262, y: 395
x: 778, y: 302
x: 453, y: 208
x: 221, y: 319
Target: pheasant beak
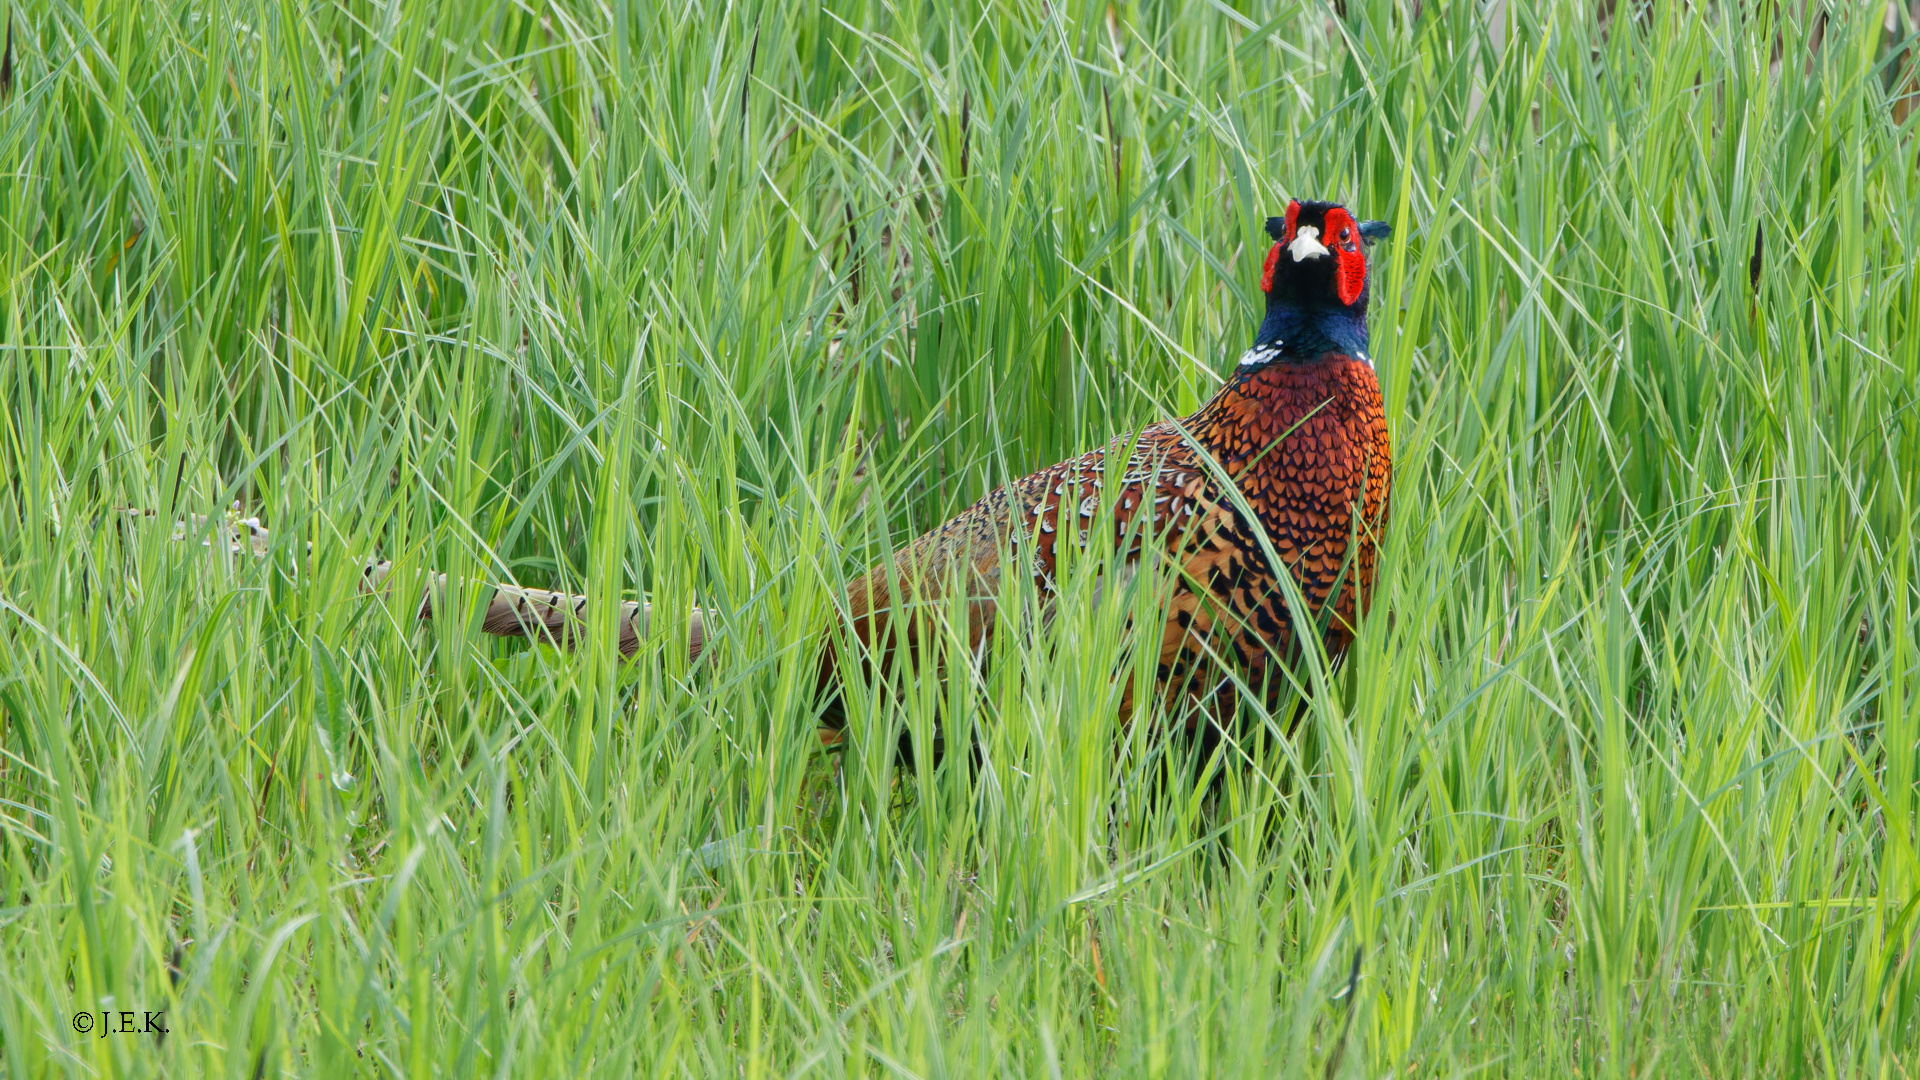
x: 1306, y: 244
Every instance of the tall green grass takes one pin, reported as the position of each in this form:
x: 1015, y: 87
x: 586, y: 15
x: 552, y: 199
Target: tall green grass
x: 715, y: 305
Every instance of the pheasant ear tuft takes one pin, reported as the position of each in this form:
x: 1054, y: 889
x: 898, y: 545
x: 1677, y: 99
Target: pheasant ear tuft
x: 1281, y: 229
x: 1375, y: 231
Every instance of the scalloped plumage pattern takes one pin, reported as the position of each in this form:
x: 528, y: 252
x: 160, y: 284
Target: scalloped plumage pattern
x: 1306, y: 445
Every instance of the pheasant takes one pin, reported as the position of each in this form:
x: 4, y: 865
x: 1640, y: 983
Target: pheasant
x: 1297, y: 430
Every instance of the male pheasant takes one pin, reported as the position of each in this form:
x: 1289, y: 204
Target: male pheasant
x: 1298, y: 429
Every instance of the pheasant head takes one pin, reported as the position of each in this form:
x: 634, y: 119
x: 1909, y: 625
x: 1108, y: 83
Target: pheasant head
x: 1315, y: 281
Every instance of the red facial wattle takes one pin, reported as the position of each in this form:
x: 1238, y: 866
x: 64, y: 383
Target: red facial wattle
x: 1342, y: 237
x: 1286, y: 237
x: 1266, y: 275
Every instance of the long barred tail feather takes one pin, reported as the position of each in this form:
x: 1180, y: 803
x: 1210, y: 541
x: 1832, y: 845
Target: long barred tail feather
x: 512, y: 611
x: 554, y: 617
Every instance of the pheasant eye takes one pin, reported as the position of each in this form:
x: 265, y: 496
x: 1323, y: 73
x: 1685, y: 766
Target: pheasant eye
x: 1345, y: 234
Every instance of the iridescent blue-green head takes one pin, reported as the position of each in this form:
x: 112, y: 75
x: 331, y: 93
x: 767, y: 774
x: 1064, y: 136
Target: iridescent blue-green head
x: 1316, y: 281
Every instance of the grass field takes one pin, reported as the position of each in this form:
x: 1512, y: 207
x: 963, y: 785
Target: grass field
x: 715, y: 306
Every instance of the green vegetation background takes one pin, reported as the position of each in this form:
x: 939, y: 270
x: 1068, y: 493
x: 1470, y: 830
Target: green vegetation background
x: 716, y: 303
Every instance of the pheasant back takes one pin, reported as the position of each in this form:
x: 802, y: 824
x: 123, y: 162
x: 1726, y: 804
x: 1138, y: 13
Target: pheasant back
x: 1304, y: 446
